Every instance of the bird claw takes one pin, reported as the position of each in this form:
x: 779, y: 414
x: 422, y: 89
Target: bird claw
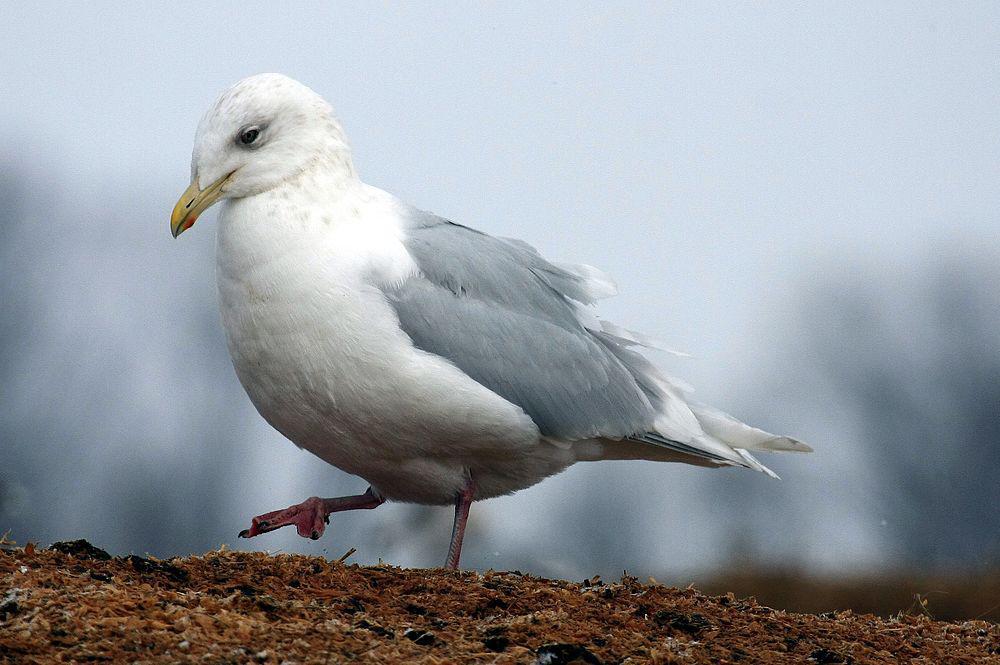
x: 308, y: 518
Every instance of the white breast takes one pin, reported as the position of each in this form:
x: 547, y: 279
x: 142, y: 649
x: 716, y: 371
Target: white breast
x: 319, y: 350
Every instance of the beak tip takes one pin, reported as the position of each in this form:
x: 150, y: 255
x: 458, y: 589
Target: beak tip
x: 179, y: 226
x: 193, y: 202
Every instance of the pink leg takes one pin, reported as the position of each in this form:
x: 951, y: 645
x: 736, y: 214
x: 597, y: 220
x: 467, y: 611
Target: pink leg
x: 312, y: 515
x: 462, y: 504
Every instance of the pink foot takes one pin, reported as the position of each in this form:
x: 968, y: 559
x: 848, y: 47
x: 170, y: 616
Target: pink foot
x: 311, y: 516
x: 308, y: 517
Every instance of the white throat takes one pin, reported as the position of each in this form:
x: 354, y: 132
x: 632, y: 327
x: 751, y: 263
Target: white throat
x: 325, y: 221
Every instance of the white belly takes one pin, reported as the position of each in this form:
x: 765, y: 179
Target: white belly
x: 322, y: 358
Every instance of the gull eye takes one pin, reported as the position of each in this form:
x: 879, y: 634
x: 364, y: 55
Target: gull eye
x: 248, y: 135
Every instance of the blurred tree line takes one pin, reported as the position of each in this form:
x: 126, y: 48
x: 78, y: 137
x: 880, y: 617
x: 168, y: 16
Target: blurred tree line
x: 909, y: 359
x: 917, y: 357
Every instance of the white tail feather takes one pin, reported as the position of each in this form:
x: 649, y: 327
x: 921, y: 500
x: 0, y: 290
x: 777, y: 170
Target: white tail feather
x: 740, y: 435
x: 700, y: 429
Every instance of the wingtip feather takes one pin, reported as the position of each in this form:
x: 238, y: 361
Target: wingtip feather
x: 753, y: 463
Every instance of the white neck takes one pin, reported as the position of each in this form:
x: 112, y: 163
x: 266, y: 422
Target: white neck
x: 324, y: 218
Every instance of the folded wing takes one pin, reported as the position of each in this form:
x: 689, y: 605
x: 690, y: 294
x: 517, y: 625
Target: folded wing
x: 517, y: 324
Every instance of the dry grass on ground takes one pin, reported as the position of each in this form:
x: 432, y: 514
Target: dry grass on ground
x: 78, y: 604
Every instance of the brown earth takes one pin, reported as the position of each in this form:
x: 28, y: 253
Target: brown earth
x: 78, y: 604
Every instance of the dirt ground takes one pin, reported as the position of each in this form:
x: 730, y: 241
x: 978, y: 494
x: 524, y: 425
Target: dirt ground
x: 79, y: 604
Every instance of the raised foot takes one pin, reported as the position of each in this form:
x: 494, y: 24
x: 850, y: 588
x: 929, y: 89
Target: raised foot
x: 312, y: 515
x: 309, y: 517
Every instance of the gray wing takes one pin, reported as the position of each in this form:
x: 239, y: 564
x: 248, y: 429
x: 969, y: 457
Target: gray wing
x: 506, y: 317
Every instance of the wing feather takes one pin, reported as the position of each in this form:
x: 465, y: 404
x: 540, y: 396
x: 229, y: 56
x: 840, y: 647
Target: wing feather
x: 513, y: 322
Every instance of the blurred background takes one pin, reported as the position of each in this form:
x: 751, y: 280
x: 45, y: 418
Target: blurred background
x: 805, y: 198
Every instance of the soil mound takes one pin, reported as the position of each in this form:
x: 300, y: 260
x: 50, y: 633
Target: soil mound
x: 75, y: 603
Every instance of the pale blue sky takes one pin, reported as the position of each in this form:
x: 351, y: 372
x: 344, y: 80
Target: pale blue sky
x: 704, y: 154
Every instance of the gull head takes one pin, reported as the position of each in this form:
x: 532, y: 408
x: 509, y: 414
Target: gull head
x: 260, y: 133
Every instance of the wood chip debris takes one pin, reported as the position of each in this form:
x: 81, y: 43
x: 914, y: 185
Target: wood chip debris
x: 75, y: 603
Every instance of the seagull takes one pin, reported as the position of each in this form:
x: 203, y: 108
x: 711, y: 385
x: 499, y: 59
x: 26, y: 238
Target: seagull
x: 441, y: 364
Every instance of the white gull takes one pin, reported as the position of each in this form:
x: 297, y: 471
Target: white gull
x: 441, y: 364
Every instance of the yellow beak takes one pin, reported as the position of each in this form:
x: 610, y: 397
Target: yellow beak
x: 193, y: 202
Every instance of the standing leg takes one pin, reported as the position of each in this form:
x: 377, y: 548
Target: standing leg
x: 463, y: 501
x: 312, y: 515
